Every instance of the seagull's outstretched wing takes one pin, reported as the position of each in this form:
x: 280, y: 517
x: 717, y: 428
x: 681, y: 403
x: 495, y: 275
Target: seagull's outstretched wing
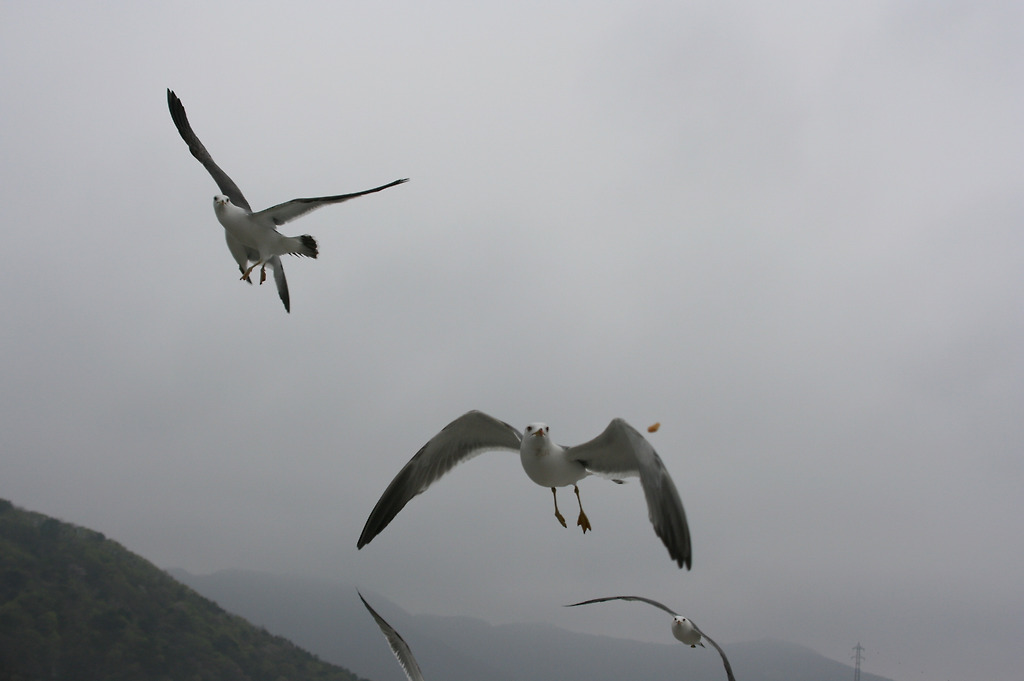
x: 398, y: 645
x: 289, y: 210
x: 621, y: 450
x: 465, y: 437
x: 227, y: 186
x: 725, y: 660
x: 656, y: 604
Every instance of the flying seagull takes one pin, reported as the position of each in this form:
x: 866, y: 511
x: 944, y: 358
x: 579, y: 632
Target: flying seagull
x: 398, y: 645
x: 683, y: 629
x: 617, y: 452
x: 253, y: 237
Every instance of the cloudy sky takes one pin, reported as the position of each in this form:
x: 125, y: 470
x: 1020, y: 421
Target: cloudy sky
x: 791, y: 235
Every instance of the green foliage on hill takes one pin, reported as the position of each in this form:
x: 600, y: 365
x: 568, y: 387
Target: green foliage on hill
x: 75, y: 605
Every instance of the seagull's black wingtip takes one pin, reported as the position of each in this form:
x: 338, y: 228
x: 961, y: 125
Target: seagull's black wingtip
x: 365, y: 538
x: 683, y: 561
x: 177, y: 110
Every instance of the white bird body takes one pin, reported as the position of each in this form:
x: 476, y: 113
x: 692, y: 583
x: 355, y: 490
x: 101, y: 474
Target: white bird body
x: 238, y: 223
x: 257, y: 231
x: 684, y: 631
x: 545, y: 462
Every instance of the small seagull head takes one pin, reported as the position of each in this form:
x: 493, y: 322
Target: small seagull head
x: 220, y: 200
x: 536, y: 440
x: 537, y: 430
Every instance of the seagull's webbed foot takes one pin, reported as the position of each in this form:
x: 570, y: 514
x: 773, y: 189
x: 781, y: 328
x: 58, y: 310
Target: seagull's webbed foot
x: 582, y: 521
x: 263, y: 274
x: 561, y: 518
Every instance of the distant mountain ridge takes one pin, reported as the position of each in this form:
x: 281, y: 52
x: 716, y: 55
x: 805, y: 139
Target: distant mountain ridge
x: 327, y: 618
x: 76, y: 605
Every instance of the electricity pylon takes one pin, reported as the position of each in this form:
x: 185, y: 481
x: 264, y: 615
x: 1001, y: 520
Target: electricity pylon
x: 858, y: 654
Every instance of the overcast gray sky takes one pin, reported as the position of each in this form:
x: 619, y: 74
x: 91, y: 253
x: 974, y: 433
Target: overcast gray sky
x: 792, y: 235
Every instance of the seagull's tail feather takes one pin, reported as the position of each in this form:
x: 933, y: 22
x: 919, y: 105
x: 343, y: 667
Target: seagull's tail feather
x: 303, y: 245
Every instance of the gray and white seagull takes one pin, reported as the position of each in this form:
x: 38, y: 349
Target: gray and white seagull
x: 253, y: 237
x: 682, y: 628
x: 619, y: 451
x: 398, y: 645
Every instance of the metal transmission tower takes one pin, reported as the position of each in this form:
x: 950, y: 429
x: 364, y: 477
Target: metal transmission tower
x: 858, y: 654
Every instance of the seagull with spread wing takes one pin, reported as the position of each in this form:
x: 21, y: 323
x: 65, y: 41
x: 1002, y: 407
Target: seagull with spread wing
x: 619, y: 451
x: 398, y: 645
x: 683, y: 629
x: 253, y: 237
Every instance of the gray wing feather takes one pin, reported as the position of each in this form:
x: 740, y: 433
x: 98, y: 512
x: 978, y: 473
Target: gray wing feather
x: 656, y: 604
x: 398, y: 645
x: 282, y: 283
x: 467, y: 436
x: 227, y: 186
x: 622, y: 450
x: 725, y: 660
x: 289, y: 210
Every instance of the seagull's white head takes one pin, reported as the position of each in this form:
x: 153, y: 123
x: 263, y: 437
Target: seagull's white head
x: 684, y: 630
x: 220, y: 201
x: 535, y: 438
x: 537, y: 430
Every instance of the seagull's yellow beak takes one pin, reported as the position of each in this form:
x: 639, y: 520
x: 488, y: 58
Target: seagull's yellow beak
x: 538, y: 433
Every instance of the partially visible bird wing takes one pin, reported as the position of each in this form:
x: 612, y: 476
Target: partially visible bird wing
x: 282, y: 283
x: 472, y: 433
x: 656, y: 604
x: 227, y: 186
x: 621, y: 450
x: 289, y: 210
x: 398, y: 645
x: 725, y: 660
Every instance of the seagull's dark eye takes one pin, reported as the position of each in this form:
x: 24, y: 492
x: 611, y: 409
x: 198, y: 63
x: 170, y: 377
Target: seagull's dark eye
x: 529, y: 429
x: 547, y: 428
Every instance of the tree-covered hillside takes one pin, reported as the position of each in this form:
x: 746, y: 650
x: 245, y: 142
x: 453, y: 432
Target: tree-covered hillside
x: 75, y: 605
